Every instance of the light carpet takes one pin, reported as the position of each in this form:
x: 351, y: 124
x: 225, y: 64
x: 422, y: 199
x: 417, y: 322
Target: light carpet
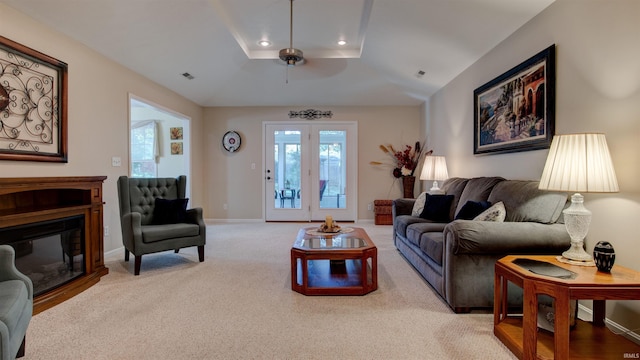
x: 238, y: 304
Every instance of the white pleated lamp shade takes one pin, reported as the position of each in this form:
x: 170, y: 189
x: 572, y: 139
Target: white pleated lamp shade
x: 434, y: 168
x: 579, y: 163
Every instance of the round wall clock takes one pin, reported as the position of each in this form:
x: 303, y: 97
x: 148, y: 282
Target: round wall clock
x: 231, y: 141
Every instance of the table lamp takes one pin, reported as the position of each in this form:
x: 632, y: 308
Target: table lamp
x: 434, y: 168
x: 578, y: 163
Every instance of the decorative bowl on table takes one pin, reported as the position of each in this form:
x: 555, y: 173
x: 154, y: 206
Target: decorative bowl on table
x: 326, y: 229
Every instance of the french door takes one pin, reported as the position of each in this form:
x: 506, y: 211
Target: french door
x: 310, y: 171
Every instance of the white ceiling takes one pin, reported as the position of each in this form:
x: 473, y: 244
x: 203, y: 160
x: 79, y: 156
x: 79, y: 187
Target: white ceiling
x: 216, y: 41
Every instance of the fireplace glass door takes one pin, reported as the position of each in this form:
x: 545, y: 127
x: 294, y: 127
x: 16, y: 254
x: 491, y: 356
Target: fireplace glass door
x: 50, y: 253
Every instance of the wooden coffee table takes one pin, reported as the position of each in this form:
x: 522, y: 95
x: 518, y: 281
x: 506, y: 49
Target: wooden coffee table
x: 344, y: 263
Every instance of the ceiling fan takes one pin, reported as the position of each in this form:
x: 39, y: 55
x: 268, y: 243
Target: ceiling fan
x: 291, y: 56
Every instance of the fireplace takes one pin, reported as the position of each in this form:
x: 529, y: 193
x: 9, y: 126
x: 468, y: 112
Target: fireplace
x: 55, y: 226
x: 50, y: 253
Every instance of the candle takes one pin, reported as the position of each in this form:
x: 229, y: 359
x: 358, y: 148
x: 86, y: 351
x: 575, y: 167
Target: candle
x: 329, y: 221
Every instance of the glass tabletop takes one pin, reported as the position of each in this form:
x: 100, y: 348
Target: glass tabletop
x: 338, y: 242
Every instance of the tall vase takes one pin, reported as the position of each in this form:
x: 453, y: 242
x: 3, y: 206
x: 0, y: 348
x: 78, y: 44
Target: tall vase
x: 408, y: 183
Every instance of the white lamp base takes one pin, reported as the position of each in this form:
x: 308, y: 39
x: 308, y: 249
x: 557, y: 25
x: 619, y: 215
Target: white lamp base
x: 576, y: 252
x: 577, y: 220
x: 435, y: 189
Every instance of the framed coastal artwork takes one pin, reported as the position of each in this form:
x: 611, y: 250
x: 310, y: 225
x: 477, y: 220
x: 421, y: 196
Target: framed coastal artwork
x: 515, y: 111
x: 33, y: 104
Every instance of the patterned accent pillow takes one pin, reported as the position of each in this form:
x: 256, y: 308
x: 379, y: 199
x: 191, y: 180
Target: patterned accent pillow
x: 418, y: 205
x: 497, y: 213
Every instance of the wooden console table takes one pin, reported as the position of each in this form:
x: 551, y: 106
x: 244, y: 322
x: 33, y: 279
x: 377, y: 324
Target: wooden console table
x: 585, y: 341
x: 36, y: 199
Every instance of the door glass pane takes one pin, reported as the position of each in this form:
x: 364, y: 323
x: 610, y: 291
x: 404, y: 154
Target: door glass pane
x: 287, y: 155
x: 332, y: 171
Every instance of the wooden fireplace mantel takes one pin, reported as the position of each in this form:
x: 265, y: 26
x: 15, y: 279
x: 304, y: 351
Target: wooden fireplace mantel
x: 34, y: 199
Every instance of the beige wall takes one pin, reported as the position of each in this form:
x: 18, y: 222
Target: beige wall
x: 231, y: 181
x: 598, y: 90
x: 98, y: 114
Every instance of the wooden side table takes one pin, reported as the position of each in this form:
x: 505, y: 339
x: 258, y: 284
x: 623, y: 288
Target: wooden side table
x: 586, y: 341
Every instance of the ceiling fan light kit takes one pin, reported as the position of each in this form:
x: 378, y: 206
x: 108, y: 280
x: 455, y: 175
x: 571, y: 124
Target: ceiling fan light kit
x: 291, y: 56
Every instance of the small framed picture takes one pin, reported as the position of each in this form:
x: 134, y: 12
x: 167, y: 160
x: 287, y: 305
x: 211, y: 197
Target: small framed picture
x: 176, y: 133
x: 176, y: 148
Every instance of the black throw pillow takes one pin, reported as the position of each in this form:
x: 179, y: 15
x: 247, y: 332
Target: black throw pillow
x: 471, y: 209
x: 437, y: 207
x: 169, y: 211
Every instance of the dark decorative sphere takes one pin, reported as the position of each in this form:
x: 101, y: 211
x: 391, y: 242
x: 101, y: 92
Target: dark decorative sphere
x: 604, y: 256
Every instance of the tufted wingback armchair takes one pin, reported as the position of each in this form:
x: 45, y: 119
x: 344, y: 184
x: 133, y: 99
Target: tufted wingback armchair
x: 141, y: 232
x: 16, y: 305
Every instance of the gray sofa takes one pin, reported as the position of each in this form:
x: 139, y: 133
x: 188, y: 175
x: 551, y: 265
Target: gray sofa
x: 16, y: 305
x: 457, y: 257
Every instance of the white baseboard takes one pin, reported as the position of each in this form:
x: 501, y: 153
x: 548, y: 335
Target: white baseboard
x: 115, y: 252
x: 213, y: 221
x: 586, y: 314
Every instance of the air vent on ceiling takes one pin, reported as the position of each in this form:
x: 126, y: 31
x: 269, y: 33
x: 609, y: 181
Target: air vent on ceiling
x: 188, y: 76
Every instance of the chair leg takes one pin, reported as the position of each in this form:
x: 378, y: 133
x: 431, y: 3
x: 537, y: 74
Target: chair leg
x: 136, y: 264
x: 126, y: 255
x: 201, y: 253
x: 21, y: 349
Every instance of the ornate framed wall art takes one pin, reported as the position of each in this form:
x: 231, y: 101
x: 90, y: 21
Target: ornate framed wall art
x: 516, y: 110
x: 33, y: 104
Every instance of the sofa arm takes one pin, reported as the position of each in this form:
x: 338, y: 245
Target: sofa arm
x: 194, y: 216
x: 131, y: 224
x: 8, y: 270
x: 402, y: 206
x: 488, y: 237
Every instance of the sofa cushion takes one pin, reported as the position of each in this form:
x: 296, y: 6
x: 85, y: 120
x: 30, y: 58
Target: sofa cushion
x: 454, y: 186
x: 153, y: 233
x: 169, y: 211
x: 477, y: 189
x: 495, y: 213
x: 13, y: 297
x: 437, y: 208
x: 432, y: 245
x: 472, y: 209
x: 418, y: 205
x: 415, y: 231
x: 402, y: 222
x: 525, y: 202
